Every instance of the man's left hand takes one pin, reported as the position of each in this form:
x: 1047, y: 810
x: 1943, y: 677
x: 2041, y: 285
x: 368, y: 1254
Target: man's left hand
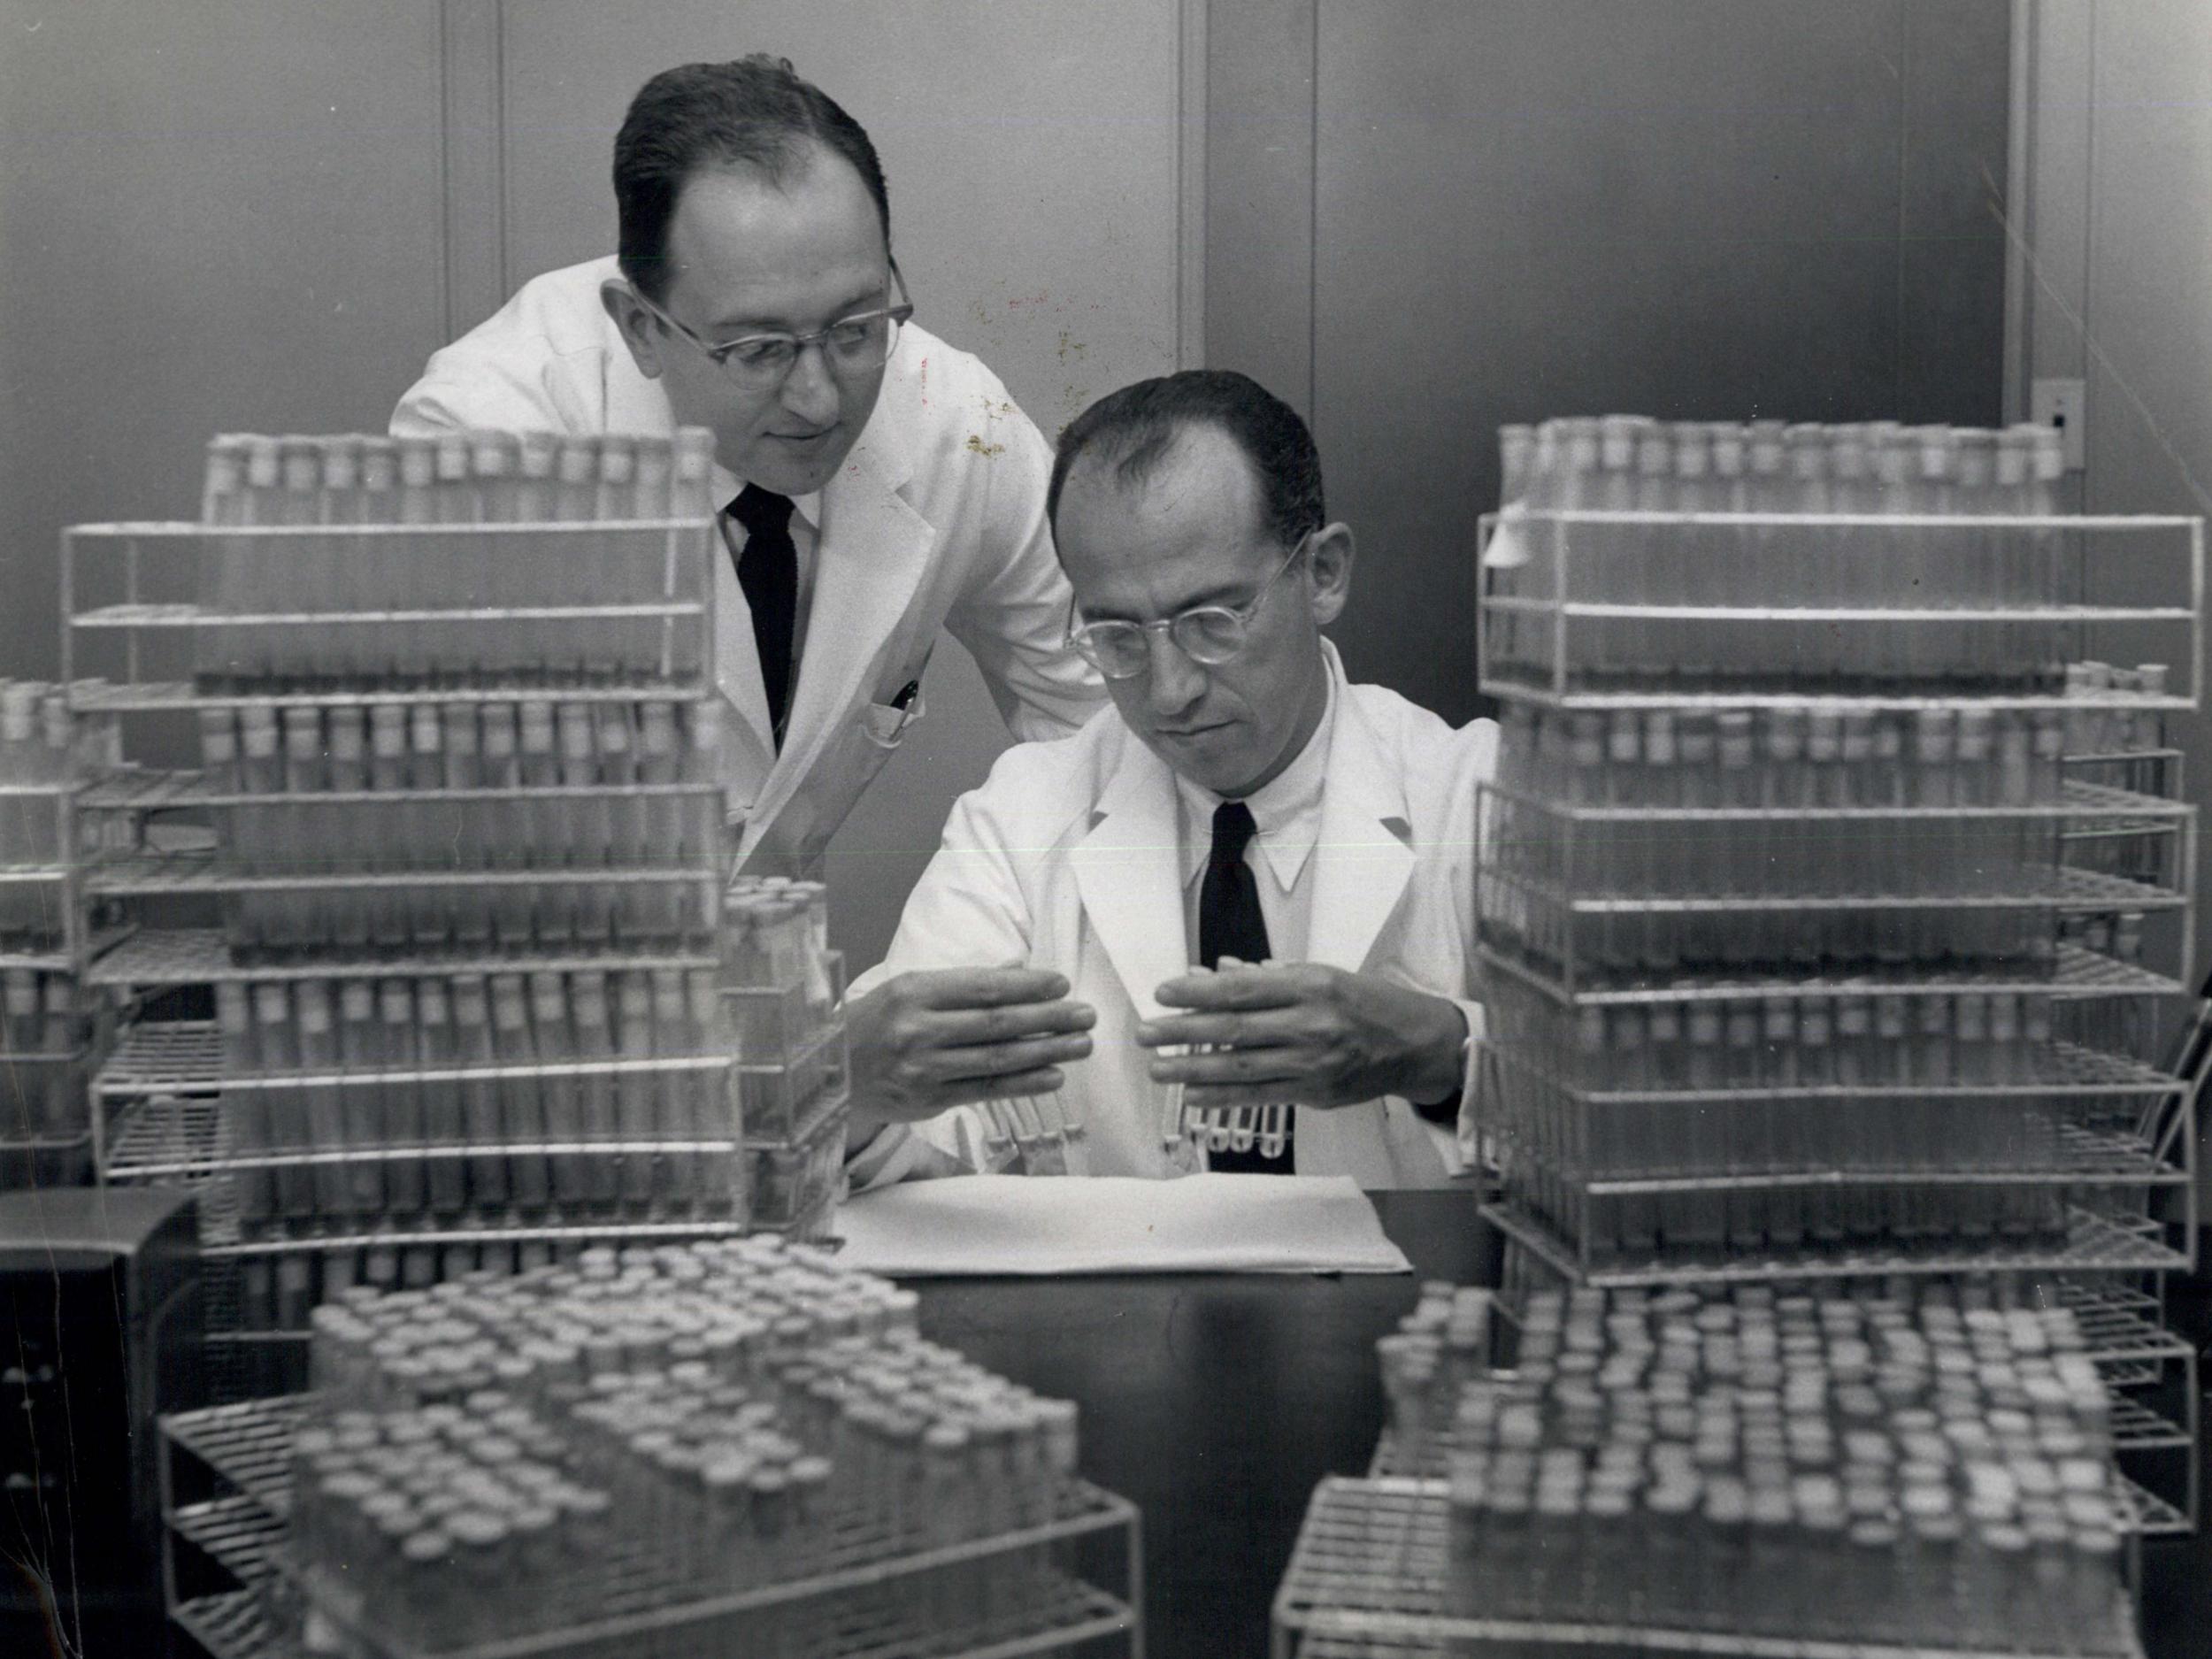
x: 1314, y: 1035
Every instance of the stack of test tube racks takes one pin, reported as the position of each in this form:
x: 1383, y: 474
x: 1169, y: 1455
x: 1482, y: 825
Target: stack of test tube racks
x: 50, y: 1021
x: 724, y: 1448
x: 447, y: 877
x: 1791, y: 1471
x: 1803, y: 956
x: 784, y: 995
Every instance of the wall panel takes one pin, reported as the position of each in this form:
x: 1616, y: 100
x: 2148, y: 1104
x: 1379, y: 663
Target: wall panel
x: 216, y: 216
x: 1524, y: 208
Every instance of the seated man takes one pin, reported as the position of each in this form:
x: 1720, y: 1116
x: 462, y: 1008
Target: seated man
x: 1242, y: 803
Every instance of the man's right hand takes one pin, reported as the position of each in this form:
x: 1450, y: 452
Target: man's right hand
x: 925, y: 1041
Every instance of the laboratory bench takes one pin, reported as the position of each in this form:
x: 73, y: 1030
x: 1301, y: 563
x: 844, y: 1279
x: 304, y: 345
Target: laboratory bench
x: 1216, y: 1402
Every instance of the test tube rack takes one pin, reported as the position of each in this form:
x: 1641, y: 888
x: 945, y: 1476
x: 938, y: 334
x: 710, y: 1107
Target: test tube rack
x: 456, y: 727
x: 1429, y: 1553
x: 233, y: 1588
x: 1767, y: 883
x: 784, y: 991
x: 246, y: 1573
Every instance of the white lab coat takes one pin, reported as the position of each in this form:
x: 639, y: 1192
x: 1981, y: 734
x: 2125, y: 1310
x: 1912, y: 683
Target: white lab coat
x: 936, y: 521
x: 1067, y: 859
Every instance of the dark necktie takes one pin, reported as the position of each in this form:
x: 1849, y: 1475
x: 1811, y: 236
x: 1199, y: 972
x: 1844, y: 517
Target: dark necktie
x: 1229, y: 925
x: 768, y: 571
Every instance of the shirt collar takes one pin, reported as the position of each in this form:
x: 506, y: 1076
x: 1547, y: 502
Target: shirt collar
x: 727, y: 484
x: 1286, y: 810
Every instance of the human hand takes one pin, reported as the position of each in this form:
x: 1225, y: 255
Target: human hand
x: 1316, y: 1035
x: 927, y: 1040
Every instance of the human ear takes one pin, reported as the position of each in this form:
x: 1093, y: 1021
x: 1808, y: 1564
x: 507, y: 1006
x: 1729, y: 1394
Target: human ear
x: 1329, y: 572
x: 636, y: 326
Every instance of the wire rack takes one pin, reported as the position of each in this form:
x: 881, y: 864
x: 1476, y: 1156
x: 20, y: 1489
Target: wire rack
x: 847, y: 1612
x: 147, y: 875
x: 1369, y: 1566
x: 1528, y: 636
x: 234, y: 1624
x: 2064, y: 1069
x: 2079, y: 802
x: 200, y: 956
x: 2079, y: 972
x: 2094, y: 1243
x: 2086, y: 1156
x: 155, y: 696
x: 2064, y: 888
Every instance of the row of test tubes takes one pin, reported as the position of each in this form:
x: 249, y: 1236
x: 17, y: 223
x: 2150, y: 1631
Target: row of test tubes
x: 355, y: 1106
x: 752, y: 1419
x: 425, y: 1525
x: 1842, y: 1038
x: 1198, y: 1129
x: 1777, y: 1465
x: 378, y: 560
x: 584, y: 823
x: 743, y: 1303
x: 1631, y: 464
x: 1788, y: 759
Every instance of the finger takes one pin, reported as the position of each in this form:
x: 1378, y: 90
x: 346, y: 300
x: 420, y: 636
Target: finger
x: 983, y: 987
x: 1221, y: 1096
x: 1278, y: 1067
x: 948, y: 1028
x: 1265, y: 1029
x: 998, y: 1059
x: 967, y: 1091
x: 1247, y: 987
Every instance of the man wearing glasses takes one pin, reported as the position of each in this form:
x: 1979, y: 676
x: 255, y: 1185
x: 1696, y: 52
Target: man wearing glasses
x: 1248, y: 804
x: 879, y: 485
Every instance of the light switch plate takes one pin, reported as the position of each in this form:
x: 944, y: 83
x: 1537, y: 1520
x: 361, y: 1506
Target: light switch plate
x: 2063, y: 404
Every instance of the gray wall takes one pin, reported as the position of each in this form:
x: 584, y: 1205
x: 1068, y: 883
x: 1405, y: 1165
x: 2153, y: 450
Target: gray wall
x: 1458, y: 213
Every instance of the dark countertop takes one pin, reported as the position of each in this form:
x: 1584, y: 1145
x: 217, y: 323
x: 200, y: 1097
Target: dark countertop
x: 1214, y: 1402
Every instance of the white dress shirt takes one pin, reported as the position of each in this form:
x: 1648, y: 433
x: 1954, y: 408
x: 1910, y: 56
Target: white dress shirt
x: 1286, y: 815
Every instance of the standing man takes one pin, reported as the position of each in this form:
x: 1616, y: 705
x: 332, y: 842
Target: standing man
x: 879, y: 485
x: 1244, y: 803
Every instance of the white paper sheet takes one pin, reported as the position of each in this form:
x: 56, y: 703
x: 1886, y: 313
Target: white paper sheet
x: 992, y: 1225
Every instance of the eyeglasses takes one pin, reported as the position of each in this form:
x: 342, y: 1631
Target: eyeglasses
x: 1208, y: 634
x: 762, y: 362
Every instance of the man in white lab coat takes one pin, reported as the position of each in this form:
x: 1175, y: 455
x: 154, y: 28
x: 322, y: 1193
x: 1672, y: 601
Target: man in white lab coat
x: 880, y: 485
x: 1242, y: 801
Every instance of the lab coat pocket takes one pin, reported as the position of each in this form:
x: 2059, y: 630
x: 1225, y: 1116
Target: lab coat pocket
x: 887, y: 724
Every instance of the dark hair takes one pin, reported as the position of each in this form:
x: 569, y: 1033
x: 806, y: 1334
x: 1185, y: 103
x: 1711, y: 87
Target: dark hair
x: 755, y: 112
x: 1136, y: 428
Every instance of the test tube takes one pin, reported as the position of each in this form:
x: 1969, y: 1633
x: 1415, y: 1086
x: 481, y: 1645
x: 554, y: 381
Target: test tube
x: 444, y: 1120
x: 632, y: 996
x: 404, y: 1124
x: 672, y: 1107
x: 224, y: 562
x: 596, y: 1089
x: 555, y: 1046
x: 590, y: 829
x: 317, y: 1101
x: 246, y: 1108
x: 480, y: 1115
x: 521, y: 1108
x: 549, y: 848
x: 361, y: 1052
x: 269, y: 1126
x: 716, y: 1116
